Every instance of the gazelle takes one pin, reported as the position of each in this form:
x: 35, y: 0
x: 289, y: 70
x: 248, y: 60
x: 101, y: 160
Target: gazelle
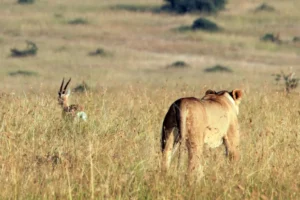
x: 74, y: 111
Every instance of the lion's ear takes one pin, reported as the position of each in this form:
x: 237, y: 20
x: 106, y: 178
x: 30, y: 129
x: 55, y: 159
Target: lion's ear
x: 210, y: 92
x: 237, y: 95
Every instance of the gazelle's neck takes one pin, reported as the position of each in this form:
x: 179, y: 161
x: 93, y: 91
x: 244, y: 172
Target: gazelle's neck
x: 65, y: 103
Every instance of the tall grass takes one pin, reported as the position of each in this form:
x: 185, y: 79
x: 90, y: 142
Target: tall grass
x: 116, y: 154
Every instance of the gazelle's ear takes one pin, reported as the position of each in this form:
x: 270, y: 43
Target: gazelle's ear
x: 210, y: 92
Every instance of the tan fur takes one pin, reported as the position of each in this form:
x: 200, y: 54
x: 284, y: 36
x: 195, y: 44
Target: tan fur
x: 211, y: 120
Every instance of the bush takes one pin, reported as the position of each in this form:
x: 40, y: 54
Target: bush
x: 265, y: 7
x: 271, y: 37
x: 81, y: 87
x: 218, y: 68
x: 178, y: 64
x: 296, y: 39
x: 184, y: 6
x: 134, y: 8
x: 23, y: 73
x: 78, y: 21
x: 98, y: 52
x: 205, y: 24
x: 25, y: 1
x: 290, y: 81
x: 31, y: 50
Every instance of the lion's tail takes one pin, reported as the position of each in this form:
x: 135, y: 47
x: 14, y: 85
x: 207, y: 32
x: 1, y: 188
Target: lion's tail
x: 183, y: 116
x: 171, y: 128
x: 171, y: 133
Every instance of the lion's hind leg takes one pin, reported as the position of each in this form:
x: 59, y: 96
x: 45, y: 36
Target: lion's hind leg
x: 195, y: 149
x: 231, y: 142
x: 169, y: 150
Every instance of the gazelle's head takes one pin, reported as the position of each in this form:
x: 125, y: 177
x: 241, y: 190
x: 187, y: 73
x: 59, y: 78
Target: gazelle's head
x: 62, y: 94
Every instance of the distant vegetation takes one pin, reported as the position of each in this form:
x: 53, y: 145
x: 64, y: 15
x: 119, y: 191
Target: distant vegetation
x: 296, y: 39
x: 134, y: 8
x: 271, y: 37
x: 82, y: 87
x: 184, y: 6
x: 78, y: 21
x: 265, y: 7
x: 23, y: 73
x: 205, y: 24
x: 290, y: 81
x: 58, y: 15
x: 178, y: 65
x: 275, y: 38
x: 218, y: 68
x: 99, y: 52
x: 202, y: 24
x: 30, y: 50
x: 25, y: 1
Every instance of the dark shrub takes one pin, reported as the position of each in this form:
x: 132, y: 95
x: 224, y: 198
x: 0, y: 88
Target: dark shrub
x: 178, y: 64
x: 271, y: 37
x: 81, y: 87
x: 296, y: 39
x: 25, y: 1
x: 98, y: 52
x: 31, y: 50
x: 183, y: 6
x: 218, y: 68
x: 205, y: 24
x: 134, y: 8
x: 265, y: 7
x: 78, y: 21
x: 290, y: 80
x: 23, y: 73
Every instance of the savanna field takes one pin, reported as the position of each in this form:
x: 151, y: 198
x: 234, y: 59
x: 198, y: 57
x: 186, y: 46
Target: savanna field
x: 132, y: 82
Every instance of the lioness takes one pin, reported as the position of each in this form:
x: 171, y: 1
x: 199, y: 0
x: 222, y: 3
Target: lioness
x: 211, y: 120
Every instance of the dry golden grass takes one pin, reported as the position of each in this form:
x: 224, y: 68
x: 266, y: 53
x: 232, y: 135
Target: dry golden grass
x: 116, y: 154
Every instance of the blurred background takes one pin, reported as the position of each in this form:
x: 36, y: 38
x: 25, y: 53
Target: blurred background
x: 116, y: 43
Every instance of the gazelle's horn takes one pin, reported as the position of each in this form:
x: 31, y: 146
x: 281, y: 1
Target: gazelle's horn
x: 62, y: 84
x: 67, y: 84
